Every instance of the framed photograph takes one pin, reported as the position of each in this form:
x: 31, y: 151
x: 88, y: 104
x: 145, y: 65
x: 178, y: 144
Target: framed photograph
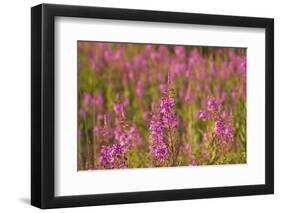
x: 139, y: 106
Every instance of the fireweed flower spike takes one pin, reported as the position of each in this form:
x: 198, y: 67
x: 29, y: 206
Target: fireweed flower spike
x: 167, y: 105
x: 112, y: 157
x: 158, y: 149
x: 214, y: 113
x: 168, y: 116
x: 125, y: 135
x: 170, y: 121
x: 219, y: 129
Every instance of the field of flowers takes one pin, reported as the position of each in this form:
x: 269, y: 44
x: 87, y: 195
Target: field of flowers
x: 144, y: 105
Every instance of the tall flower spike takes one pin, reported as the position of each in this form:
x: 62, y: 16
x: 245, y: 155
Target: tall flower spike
x: 158, y: 149
x: 167, y: 105
x: 219, y: 129
x: 168, y: 116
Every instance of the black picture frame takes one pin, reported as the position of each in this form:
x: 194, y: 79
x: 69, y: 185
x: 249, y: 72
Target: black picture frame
x: 43, y: 105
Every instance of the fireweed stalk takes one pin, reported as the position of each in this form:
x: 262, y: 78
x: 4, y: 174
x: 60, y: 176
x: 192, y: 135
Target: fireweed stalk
x: 220, y: 128
x: 158, y: 148
x: 125, y: 138
x: 170, y: 122
x: 163, y: 130
x: 122, y: 134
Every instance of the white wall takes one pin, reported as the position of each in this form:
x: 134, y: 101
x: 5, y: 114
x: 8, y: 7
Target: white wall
x: 15, y: 105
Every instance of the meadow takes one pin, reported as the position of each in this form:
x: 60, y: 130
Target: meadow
x: 143, y: 105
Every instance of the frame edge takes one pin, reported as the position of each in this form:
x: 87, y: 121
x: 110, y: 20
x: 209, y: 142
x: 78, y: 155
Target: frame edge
x: 269, y: 116
x: 36, y: 85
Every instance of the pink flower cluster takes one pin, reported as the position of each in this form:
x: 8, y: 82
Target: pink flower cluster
x: 159, y: 149
x: 125, y: 138
x: 223, y: 130
x: 113, y: 157
x: 169, y: 117
x: 164, y: 122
